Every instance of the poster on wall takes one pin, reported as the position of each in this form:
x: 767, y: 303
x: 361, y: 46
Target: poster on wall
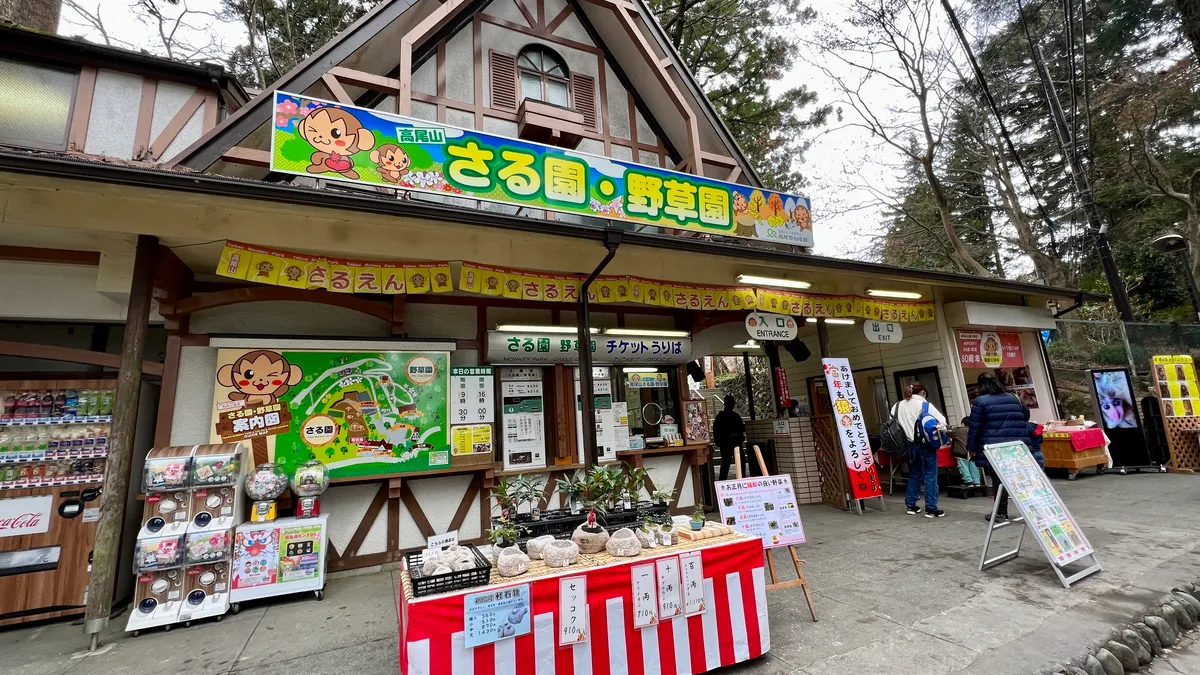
x: 256, y: 557
x: 851, y: 429
x: 382, y: 149
x: 764, y: 507
x: 990, y: 350
x: 362, y: 414
x: 471, y: 395
x: 301, y: 553
x: 695, y: 422
x: 606, y: 418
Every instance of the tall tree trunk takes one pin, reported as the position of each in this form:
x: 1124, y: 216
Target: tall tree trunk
x: 958, y: 251
x: 36, y: 14
x: 1189, y: 15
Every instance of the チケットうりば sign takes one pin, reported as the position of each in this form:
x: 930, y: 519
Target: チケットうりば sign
x: 362, y: 414
x: 505, y: 347
x: 312, y: 137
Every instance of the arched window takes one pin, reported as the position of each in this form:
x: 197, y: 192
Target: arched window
x: 544, y: 76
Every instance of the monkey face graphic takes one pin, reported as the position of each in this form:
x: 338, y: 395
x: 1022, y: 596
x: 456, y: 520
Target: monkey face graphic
x: 441, y: 278
x: 293, y: 273
x: 493, y: 283
x: 512, y: 285
x: 605, y: 291
x: 259, y: 377
x: 335, y: 131
x: 264, y: 269
x: 418, y: 281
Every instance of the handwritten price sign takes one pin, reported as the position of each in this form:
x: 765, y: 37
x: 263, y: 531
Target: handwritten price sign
x: 645, y: 596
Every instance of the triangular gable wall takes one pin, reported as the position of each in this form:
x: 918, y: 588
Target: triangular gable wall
x: 448, y: 48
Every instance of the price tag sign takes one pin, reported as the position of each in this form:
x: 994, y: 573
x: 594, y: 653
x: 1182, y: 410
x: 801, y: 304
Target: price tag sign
x: 670, y: 598
x: 692, y: 569
x: 572, y: 611
x: 645, y: 596
x: 440, y: 541
x: 495, y: 615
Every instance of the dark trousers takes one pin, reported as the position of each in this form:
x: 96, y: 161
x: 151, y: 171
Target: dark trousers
x: 727, y: 458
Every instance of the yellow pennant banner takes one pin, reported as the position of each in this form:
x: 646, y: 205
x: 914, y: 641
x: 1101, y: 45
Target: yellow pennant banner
x: 839, y: 306
x: 296, y: 270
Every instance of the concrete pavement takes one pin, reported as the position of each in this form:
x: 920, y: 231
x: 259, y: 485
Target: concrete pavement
x: 894, y: 593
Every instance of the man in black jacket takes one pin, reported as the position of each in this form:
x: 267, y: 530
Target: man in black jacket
x: 729, y: 431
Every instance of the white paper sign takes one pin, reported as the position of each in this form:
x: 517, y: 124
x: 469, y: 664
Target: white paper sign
x: 572, y: 611
x: 670, y: 598
x: 645, y: 596
x: 471, y: 400
x: 524, y: 425
x: 781, y: 427
x: 496, y: 615
x: 764, y: 507
x: 25, y: 515
x: 692, y: 568
x: 439, y: 541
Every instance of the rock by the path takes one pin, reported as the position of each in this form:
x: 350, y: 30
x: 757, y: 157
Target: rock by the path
x: 1138, y: 644
x: 1110, y: 663
x: 1189, y: 603
x: 1093, y: 666
x: 1167, y: 637
x: 1147, y: 633
x: 1182, y: 616
x: 1127, y: 657
x: 1171, y: 617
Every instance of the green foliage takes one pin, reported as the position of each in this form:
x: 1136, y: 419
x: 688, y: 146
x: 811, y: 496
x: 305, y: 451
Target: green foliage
x: 698, y: 512
x: 740, y: 53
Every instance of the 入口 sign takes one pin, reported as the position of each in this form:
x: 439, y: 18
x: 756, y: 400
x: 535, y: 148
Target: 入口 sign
x: 883, y: 331
x: 764, y: 326
x: 25, y: 515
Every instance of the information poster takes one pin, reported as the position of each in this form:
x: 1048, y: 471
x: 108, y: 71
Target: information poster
x: 471, y: 398
x: 572, y: 611
x: 361, y: 414
x: 471, y: 439
x: 496, y: 615
x: 989, y: 350
x: 1175, y: 379
x: 606, y: 419
x: 256, y: 557
x: 850, y: 429
x: 301, y: 547
x: 524, y: 419
x: 764, y: 507
x: 1043, y: 509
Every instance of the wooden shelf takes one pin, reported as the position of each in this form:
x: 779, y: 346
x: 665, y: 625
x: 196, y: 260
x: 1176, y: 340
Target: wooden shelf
x: 668, y: 450
x: 546, y: 469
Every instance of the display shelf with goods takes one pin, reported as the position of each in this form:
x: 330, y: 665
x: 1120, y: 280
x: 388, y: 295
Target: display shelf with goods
x: 281, y: 557
x: 193, y: 501
x: 1178, y: 392
x: 703, y: 602
x: 53, y: 446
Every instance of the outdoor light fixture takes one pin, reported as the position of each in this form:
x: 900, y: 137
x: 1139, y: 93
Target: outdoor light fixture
x: 640, y: 369
x: 769, y: 281
x: 903, y: 295
x: 514, y: 328
x: 646, y: 332
x: 840, y: 322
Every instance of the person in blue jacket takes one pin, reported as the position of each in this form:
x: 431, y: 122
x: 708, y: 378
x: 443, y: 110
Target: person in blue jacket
x: 997, y: 417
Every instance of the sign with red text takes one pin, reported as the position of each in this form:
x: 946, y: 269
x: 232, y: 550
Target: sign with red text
x: 25, y: 515
x: 764, y: 507
x: 851, y: 430
x: 781, y: 387
x: 989, y: 350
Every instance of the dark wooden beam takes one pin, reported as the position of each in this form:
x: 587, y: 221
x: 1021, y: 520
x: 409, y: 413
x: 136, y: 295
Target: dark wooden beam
x: 71, y: 355
x: 57, y: 256
x: 237, y: 296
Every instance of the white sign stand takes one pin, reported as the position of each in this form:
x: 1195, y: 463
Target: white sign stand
x: 1051, y: 508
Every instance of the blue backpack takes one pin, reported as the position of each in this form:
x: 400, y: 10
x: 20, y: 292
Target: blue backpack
x: 927, y: 430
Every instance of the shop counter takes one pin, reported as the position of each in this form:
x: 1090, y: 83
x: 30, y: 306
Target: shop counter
x: 1074, y: 449
x: 730, y: 629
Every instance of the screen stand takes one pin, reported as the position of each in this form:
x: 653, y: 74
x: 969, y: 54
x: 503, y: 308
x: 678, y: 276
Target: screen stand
x: 800, y: 579
x: 985, y: 562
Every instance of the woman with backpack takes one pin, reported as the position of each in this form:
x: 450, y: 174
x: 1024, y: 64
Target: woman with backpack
x: 997, y: 416
x: 922, y: 423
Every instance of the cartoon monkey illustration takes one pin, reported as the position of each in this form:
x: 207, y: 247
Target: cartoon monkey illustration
x: 393, y: 162
x: 336, y: 135
x: 259, y: 377
x: 493, y: 283
x: 740, y: 205
x: 264, y: 269
x: 441, y: 279
x: 293, y: 273
x: 801, y: 217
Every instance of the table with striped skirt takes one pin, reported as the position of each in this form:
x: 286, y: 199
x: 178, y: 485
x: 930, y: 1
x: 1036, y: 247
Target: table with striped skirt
x: 732, y: 628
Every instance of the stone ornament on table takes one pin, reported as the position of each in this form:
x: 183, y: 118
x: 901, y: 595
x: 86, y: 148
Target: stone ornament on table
x: 560, y: 553
x: 512, y: 562
x: 623, y: 543
x: 589, y: 536
x: 534, y: 546
x: 647, y: 535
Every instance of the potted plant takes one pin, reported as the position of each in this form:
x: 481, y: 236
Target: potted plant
x: 571, y: 488
x: 669, y: 535
x: 697, y: 521
x: 662, y: 497
x: 505, y: 492
x: 602, y: 487
x: 529, y: 491
x: 635, y: 477
x: 504, y: 535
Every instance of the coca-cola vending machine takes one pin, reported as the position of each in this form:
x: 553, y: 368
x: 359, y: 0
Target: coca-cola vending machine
x: 53, y: 445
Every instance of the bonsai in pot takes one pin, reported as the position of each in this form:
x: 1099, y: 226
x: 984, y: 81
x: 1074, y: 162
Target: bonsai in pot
x: 635, y: 477
x: 697, y: 521
x: 504, y: 534
x: 505, y: 492
x: 663, y: 497
x: 529, y: 491
x: 571, y: 488
x: 669, y: 535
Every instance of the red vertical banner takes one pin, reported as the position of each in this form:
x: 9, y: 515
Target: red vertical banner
x: 781, y: 388
x: 851, y: 430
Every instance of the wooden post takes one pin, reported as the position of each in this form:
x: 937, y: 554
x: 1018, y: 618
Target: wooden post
x: 823, y: 337
x: 106, y: 554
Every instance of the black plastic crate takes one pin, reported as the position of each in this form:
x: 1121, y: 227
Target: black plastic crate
x: 433, y: 584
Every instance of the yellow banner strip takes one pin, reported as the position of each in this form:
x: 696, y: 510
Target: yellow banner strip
x: 296, y: 270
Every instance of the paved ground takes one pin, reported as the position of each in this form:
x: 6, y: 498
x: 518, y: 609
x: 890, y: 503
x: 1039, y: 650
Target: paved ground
x: 895, y: 594
x: 1184, y: 658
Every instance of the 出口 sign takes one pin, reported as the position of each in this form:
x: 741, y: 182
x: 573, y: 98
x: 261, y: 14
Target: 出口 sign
x: 504, y: 347
x: 851, y: 430
x: 378, y: 148
x: 883, y: 331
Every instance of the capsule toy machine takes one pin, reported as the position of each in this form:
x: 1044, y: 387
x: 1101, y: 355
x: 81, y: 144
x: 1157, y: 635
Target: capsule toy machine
x: 53, y: 444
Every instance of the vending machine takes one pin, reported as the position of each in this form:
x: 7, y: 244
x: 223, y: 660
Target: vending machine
x: 53, y: 445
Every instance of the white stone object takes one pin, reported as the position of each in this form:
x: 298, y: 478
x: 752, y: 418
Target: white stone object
x: 623, y: 543
x: 535, y: 545
x: 560, y: 553
x: 512, y: 562
x: 589, y: 542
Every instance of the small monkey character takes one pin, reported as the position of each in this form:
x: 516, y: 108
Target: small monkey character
x: 605, y: 291
x: 801, y: 217
x: 336, y: 135
x: 418, y: 281
x: 493, y: 283
x: 264, y: 269
x: 512, y: 286
x: 441, y: 279
x: 393, y: 162
x: 259, y: 377
x: 293, y: 273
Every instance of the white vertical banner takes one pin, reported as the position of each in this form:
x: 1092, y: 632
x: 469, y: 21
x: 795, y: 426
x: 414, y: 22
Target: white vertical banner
x: 851, y: 430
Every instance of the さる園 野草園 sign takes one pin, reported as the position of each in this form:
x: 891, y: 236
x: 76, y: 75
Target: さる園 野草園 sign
x: 337, y: 142
x: 365, y: 413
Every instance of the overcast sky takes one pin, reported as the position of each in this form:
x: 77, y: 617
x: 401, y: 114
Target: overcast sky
x: 839, y: 158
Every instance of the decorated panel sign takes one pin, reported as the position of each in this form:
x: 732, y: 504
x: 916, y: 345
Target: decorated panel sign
x: 851, y: 430
x: 359, y: 413
x: 337, y: 142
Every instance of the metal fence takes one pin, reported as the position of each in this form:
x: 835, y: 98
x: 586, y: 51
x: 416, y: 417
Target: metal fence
x: 1076, y: 346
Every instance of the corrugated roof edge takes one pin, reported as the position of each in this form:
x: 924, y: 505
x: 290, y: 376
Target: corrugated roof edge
x: 62, y: 165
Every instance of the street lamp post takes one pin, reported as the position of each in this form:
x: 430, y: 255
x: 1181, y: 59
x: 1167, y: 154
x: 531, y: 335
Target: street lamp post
x: 1173, y: 242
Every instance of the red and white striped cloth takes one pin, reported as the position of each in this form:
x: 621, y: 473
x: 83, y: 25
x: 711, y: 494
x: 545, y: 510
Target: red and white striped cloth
x: 733, y: 628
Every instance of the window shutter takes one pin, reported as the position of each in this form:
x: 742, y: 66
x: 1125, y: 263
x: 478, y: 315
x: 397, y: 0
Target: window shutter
x: 503, y: 78
x: 583, y: 98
